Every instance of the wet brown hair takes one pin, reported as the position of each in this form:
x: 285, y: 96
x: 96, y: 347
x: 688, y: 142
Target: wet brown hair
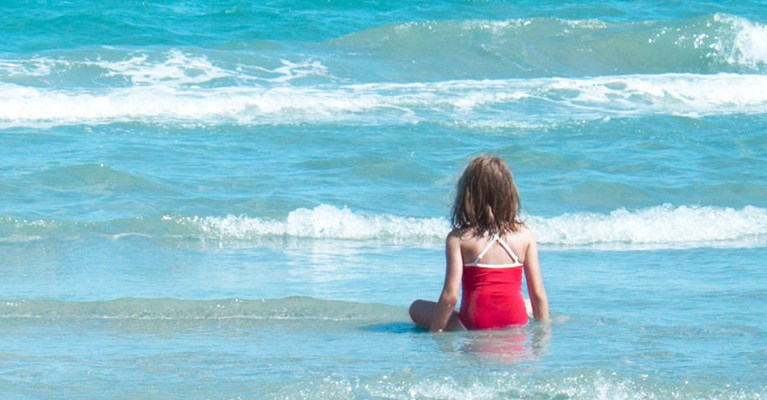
x: 487, y: 199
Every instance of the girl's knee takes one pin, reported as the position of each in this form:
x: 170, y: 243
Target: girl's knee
x: 421, y: 311
x: 415, y: 306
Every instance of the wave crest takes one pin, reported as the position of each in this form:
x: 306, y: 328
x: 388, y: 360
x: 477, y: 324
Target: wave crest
x: 658, y: 227
x: 322, y: 222
x: 532, y: 102
x: 747, y: 45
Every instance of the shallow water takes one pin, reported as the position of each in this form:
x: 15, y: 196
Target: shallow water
x: 240, y: 200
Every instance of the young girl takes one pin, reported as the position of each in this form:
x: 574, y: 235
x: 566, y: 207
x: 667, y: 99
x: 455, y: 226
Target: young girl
x: 486, y: 252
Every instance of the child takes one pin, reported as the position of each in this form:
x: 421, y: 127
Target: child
x: 486, y: 252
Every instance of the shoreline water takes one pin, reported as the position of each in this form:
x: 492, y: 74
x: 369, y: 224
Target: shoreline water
x: 240, y: 200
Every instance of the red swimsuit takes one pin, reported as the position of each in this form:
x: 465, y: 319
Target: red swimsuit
x: 492, y: 293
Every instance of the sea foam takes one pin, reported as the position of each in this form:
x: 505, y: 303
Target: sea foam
x: 663, y: 226
x: 657, y: 227
x: 564, y: 99
x: 749, y: 46
x: 321, y: 222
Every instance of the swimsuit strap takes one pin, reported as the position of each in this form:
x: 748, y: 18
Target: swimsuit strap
x: 496, y: 238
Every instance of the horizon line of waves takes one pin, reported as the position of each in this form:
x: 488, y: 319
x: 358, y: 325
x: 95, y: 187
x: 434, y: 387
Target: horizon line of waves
x: 298, y: 308
x: 524, y: 100
x: 521, y: 47
x: 653, y: 228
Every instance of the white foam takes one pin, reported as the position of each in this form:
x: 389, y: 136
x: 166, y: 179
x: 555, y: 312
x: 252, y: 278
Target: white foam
x: 35, y: 67
x: 672, y: 94
x: 176, y: 68
x: 657, y: 227
x: 651, y: 228
x: 559, y: 99
x: 748, y: 47
x: 321, y: 222
x: 660, y: 227
x: 173, y: 68
x: 292, y: 70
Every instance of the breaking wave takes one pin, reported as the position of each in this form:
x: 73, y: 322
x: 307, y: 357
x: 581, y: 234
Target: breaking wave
x: 663, y: 226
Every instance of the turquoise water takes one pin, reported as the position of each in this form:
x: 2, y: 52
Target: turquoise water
x: 240, y: 200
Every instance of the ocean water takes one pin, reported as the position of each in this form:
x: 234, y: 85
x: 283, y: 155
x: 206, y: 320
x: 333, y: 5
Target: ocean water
x: 239, y: 200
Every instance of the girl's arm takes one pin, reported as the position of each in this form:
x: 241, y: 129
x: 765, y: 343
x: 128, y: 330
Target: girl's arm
x: 450, y: 290
x: 535, y: 288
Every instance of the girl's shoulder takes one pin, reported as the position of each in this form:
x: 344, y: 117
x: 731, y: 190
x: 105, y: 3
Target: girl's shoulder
x: 461, y: 234
x: 522, y: 234
x: 523, y: 230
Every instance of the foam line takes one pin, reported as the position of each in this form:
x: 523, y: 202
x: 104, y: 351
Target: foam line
x: 664, y: 226
x: 472, y: 100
